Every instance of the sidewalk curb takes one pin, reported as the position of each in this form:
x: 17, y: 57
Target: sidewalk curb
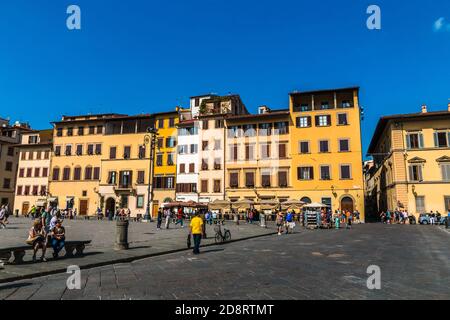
x: 122, y: 260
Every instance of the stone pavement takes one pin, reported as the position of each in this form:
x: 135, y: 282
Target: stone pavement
x: 321, y: 264
x: 145, y: 241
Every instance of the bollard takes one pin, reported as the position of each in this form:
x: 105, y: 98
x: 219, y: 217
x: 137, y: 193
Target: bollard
x: 236, y: 219
x: 17, y: 213
x: 262, y: 219
x: 121, y: 235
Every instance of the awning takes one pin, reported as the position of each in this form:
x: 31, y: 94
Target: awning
x: 41, y: 203
x: 53, y: 199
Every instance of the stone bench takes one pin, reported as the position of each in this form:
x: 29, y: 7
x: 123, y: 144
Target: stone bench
x: 72, y: 248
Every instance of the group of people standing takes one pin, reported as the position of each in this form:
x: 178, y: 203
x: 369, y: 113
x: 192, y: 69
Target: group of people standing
x: 47, y: 229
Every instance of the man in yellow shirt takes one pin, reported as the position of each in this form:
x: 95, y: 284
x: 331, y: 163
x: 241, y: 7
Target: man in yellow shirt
x: 196, y: 231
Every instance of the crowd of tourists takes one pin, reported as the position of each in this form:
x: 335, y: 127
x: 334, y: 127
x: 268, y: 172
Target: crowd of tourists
x: 401, y: 216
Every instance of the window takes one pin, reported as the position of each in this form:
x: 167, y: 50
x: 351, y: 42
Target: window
x: 204, y: 145
x: 170, y: 142
x: 196, y: 102
x: 303, y: 147
x: 21, y: 173
x: 282, y: 179
x: 23, y: 155
x: 218, y: 124
x: 305, y: 173
x: 265, y: 129
x: 447, y: 203
x: 96, y: 173
x: 69, y: 132
x: 161, y: 123
x: 323, y: 121
x: 170, y: 161
x: 80, y: 131
x: 234, y: 152
x: 90, y: 149
x: 325, y: 172
x: 344, y: 145
x: 205, y: 124
x: 38, y: 155
x: 68, y: 150
x: 160, y: 182
x: 445, y: 169
x: 326, y: 201
x: 420, y: 204
x: 282, y: 150
x: 91, y: 130
x: 345, y: 172
x: 59, y: 132
x: 441, y: 139
x: 66, y: 174
x: 29, y: 172
x: 217, y: 163
x: 57, y: 151
x: 217, y: 145
x: 414, y: 140
x: 19, y: 190
x: 415, y: 172
x: 160, y: 143
x: 30, y: 155
x: 45, y: 172
x: 249, y: 152
x: 342, y: 119
x: 171, y: 122
x: 140, y: 201
x: 249, y: 130
x: 37, y: 172
x: 186, y: 187
x: 324, y: 146
x: 140, y: 177
x: 79, y: 151
x: 98, y: 149
x: 46, y: 155
x: 125, y: 179
x: 191, y: 167
x: 325, y: 105
x: 303, y: 122
x: 159, y: 160
x: 182, y: 168
x: 6, y: 183
x: 194, y: 148
x: 55, y: 174
x: 27, y: 191
x: 8, y: 166
x: 204, y: 164
x: 234, y: 179
x: 302, y: 108
x: 217, y: 187
x: 88, y: 173
x: 346, y: 104
x: 265, y: 151
x: 141, y: 152
x: 112, y: 152
x: 282, y: 127
x: 33, y: 139
x: 112, y: 177
x: 77, y: 174
x: 43, y: 190
x: 10, y: 151
x: 35, y: 190
x: 265, y: 179
x: 99, y: 129
x: 127, y: 152
x: 250, y: 179
x: 234, y: 131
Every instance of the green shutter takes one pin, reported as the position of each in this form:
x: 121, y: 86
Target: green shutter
x: 421, y: 141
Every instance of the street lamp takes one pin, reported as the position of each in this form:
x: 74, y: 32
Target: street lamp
x: 150, y: 139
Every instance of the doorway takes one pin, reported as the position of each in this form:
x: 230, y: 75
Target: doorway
x: 83, y: 207
x: 25, y: 208
x: 347, y: 204
x: 110, y: 206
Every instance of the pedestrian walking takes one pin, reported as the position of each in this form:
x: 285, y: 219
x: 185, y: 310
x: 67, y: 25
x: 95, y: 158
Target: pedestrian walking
x: 180, y: 218
x: 167, y: 215
x: 290, y: 224
x: 36, y: 238
x: 349, y: 219
x: 337, y: 219
x: 196, y: 227
x: 159, y: 219
x: 279, y: 222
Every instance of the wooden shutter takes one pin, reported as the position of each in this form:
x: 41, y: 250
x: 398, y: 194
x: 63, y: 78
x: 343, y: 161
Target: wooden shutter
x: 216, y: 186
x: 182, y: 168
x: 282, y: 150
x: 282, y: 179
x: 191, y: 168
x: 234, y: 179
x: 204, y: 186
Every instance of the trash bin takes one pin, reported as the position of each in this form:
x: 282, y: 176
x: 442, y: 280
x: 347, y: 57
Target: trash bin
x: 121, y: 235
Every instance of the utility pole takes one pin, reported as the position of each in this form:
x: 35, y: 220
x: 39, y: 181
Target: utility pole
x: 150, y: 139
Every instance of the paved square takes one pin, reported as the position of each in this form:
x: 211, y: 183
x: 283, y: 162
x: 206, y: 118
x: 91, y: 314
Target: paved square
x: 320, y: 264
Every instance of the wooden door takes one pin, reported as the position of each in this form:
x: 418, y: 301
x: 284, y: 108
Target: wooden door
x: 347, y: 204
x: 25, y: 208
x: 83, y: 207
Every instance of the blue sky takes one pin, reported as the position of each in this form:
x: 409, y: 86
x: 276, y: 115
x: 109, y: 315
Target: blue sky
x: 145, y: 56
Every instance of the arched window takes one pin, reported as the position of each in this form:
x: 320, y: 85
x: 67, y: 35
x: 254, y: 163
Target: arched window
x: 88, y: 173
x: 77, y: 174
x: 66, y: 173
x: 306, y: 200
x: 55, y: 174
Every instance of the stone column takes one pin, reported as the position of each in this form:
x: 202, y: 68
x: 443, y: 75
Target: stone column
x: 121, y: 235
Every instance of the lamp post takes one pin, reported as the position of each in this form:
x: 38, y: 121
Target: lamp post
x: 150, y: 139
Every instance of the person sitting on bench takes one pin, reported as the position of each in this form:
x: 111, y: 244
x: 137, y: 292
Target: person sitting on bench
x: 58, y: 238
x: 36, y: 238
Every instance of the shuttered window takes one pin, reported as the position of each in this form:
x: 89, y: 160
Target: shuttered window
x: 305, y: 173
x: 249, y: 179
x: 96, y: 173
x: 414, y: 140
x: 234, y: 180
x: 282, y: 150
x: 282, y: 179
x: 77, y: 174
x: 217, y: 186
x: 415, y: 172
x: 66, y: 174
x: 191, y: 168
x: 445, y: 169
x: 182, y: 168
x: 204, y: 186
x: 265, y: 179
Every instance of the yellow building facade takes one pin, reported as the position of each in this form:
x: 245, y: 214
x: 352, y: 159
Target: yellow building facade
x: 326, y: 149
x: 411, y: 167
x: 103, y: 161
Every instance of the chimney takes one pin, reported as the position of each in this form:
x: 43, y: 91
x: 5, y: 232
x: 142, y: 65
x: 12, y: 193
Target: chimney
x: 424, y: 108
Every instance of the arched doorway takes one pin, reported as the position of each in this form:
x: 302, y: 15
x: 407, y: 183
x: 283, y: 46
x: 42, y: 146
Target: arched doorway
x: 110, y: 206
x: 347, y: 204
x: 306, y: 200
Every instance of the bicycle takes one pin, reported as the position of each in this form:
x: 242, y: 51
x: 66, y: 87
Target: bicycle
x: 222, y: 237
